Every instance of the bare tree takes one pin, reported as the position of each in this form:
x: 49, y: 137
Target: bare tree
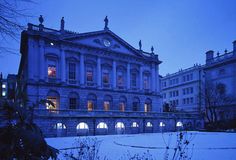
x: 11, y: 15
x: 214, y: 97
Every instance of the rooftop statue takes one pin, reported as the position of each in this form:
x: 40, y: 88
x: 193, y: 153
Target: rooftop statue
x: 140, y: 45
x: 41, y: 19
x: 152, y: 50
x: 62, y: 23
x: 106, y: 23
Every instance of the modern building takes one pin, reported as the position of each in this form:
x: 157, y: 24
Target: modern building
x: 181, y: 90
x: 96, y: 81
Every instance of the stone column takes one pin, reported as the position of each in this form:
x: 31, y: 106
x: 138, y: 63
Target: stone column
x: 82, y: 75
x: 31, y: 59
x: 128, y: 76
x: 63, y: 65
x: 41, y: 60
x: 141, y: 78
x: 157, y: 79
x: 99, y: 72
x: 114, y: 74
x: 153, y: 85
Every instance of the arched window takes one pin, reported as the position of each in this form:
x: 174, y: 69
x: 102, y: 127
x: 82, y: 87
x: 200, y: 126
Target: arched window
x: 162, y: 124
x: 134, y: 125
x: 148, y: 124
x: 82, y: 125
x: 136, y: 104
x: 54, y: 98
x: 102, y: 125
x: 120, y: 125
x: 73, y: 100
x: 59, y: 126
x: 107, y: 103
x: 91, y: 102
x: 148, y: 105
x: 122, y: 103
x: 179, y: 124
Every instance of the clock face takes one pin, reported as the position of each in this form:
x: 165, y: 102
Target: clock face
x: 106, y: 43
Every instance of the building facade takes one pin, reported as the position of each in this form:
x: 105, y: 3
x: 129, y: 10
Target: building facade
x: 97, y: 83
x: 181, y: 90
x: 220, y: 72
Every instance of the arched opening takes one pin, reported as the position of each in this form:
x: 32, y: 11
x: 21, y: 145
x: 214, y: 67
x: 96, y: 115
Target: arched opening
x: 134, y: 128
x: 120, y: 128
x: 179, y: 124
x: 122, y: 103
x: 107, y: 103
x: 73, y: 100
x: 148, y: 127
x: 91, y: 102
x: 148, y: 105
x: 102, y: 128
x: 53, y: 98
x: 162, y: 126
x: 60, y: 129
x: 82, y: 129
x: 136, y: 104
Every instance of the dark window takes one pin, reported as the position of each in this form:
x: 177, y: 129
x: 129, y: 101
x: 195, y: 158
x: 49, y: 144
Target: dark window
x: 133, y: 80
x: 72, y: 71
x: 72, y: 103
x: 89, y: 74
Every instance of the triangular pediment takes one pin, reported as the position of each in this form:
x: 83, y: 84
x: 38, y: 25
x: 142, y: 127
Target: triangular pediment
x: 105, y: 40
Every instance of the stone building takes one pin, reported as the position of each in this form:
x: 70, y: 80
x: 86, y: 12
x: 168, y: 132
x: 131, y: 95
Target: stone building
x: 181, y: 90
x: 97, y: 82
x: 220, y: 72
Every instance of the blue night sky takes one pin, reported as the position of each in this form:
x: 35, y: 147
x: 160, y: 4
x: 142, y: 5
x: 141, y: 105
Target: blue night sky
x: 181, y: 31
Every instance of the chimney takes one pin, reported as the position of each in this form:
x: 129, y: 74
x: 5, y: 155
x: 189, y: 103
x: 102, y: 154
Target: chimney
x: 234, y: 47
x: 209, y: 55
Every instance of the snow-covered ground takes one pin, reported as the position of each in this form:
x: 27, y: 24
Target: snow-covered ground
x: 207, y: 145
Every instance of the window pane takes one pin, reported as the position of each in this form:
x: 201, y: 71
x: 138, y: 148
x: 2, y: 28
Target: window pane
x: 105, y: 78
x: 89, y: 75
x: 72, y: 103
x: 54, y: 101
x: 52, y: 71
x: 72, y: 70
x: 90, y: 105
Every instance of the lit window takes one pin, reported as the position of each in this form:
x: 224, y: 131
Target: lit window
x: 135, y: 124
x: 162, y: 124
x: 133, y: 80
x: 90, y: 105
x: 52, y: 106
x: 3, y: 93
x: 122, y: 106
x: 106, y: 105
x: 89, y: 74
x: 59, y: 126
x: 147, y: 107
x: 82, y: 125
x: 72, y: 71
x: 148, y: 124
x: 120, y: 125
x: 3, y: 86
x: 105, y: 77
x: 179, y: 124
x: 72, y: 103
x: 102, y: 125
x: 52, y: 71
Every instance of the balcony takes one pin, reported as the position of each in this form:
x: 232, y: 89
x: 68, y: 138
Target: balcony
x: 113, y: 113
